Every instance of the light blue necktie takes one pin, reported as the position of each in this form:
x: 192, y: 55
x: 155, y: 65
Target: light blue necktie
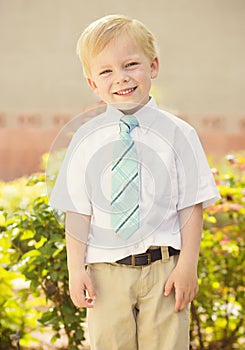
x: 125, y: 181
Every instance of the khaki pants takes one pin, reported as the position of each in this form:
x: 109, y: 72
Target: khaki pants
x: 130, y: 310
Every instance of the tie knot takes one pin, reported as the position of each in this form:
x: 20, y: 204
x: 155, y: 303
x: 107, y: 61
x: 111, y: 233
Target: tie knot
x: 128, y: 123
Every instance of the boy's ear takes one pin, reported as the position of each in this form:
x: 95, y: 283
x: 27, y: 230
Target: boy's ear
x: 154, y: 68
x: 92, y: 84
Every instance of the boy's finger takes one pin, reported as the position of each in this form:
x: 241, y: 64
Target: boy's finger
x: 83, y: 301
x: 182, y: 304
x: 89, y: 302
x: 79, y: 301
x: 91, y: 291
x: 179, y: 298
x: 168, y: 287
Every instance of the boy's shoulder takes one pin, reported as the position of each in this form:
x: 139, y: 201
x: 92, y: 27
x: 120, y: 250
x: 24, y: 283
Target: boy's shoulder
x: 171, y: 122
x: 90, y: 125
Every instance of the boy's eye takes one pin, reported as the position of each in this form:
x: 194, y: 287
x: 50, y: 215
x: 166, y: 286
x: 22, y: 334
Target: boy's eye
x: 106, y: 71
x: 131, y: 64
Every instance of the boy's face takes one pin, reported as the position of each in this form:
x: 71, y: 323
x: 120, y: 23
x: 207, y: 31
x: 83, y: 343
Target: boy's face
x: 121, y: 74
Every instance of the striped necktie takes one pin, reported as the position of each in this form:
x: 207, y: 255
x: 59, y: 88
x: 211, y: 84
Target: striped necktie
x: 125, y: 181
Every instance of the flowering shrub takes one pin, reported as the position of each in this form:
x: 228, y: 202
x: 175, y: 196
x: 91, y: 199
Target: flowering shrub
x: 32, y: 246
x: 37, y: 251
x: 217, y: 311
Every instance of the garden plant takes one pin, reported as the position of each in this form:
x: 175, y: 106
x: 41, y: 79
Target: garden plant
x: 32, y: 249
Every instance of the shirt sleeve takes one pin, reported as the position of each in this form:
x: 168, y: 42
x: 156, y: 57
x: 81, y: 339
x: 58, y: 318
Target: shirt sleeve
x: 70, y: 192
x: 195, y: 180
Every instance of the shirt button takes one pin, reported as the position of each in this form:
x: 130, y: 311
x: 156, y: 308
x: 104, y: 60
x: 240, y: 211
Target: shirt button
x: 136, y: 246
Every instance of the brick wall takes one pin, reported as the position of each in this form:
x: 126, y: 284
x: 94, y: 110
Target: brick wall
x: 25, y: 137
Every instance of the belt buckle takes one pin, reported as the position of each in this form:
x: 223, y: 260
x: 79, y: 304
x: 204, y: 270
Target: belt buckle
x: 134, y: 257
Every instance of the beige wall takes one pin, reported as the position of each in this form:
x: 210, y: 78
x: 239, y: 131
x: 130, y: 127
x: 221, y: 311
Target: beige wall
x: 201, y: 45
x: 202, y: 55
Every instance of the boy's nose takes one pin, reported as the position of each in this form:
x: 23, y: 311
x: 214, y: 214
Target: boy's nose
x: 121, y: 77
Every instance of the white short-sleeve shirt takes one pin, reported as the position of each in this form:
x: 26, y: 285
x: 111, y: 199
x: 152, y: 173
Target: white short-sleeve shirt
x: 174, y: 174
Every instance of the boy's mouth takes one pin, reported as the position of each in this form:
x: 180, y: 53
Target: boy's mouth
x: 124, y: 92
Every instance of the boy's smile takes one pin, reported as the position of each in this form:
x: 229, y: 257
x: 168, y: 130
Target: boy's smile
x: 126, y: 91
x: 121, y: 74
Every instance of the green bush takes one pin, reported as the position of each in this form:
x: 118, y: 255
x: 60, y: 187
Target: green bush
x: 39, y: 253
x: 218, y: 310
x: 18, y: 313
x: 33, y: 246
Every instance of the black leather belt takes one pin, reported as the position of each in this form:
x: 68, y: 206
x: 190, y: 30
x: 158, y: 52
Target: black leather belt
x: 146, y: 258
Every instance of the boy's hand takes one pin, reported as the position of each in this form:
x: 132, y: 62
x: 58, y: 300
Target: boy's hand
x: 184, y: 280
x: 184, y: 277
x: 80, y: 284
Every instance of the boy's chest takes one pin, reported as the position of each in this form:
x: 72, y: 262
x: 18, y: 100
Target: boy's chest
x: 156, y: 165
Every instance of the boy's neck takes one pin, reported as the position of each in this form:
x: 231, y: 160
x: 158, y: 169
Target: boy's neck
x: 134, y: 109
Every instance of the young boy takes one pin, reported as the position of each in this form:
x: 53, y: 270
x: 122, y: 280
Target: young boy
x: 133, y: 218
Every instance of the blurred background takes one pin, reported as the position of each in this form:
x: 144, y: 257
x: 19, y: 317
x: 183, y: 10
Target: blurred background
x: 202, y: 71
x: 44, y: 96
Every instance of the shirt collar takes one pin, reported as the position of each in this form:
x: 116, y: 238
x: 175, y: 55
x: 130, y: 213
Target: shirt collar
x: 145, y: 115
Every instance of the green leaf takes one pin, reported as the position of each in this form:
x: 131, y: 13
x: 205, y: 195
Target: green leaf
x: 54, y: 276
x: 31, y: 253
x: 27, y: 234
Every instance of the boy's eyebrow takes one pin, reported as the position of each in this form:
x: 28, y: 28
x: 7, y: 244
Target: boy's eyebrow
x: 132, y: 57
x: 104, y: 66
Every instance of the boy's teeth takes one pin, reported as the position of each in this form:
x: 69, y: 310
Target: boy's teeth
x: 124, y: 92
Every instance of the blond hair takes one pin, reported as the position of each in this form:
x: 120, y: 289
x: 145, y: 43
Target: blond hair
x: 106, y: 29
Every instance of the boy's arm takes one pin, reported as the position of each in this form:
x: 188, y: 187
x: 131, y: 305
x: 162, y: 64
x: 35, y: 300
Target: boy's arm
x: 79, y: 280
x: 184, y: 277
